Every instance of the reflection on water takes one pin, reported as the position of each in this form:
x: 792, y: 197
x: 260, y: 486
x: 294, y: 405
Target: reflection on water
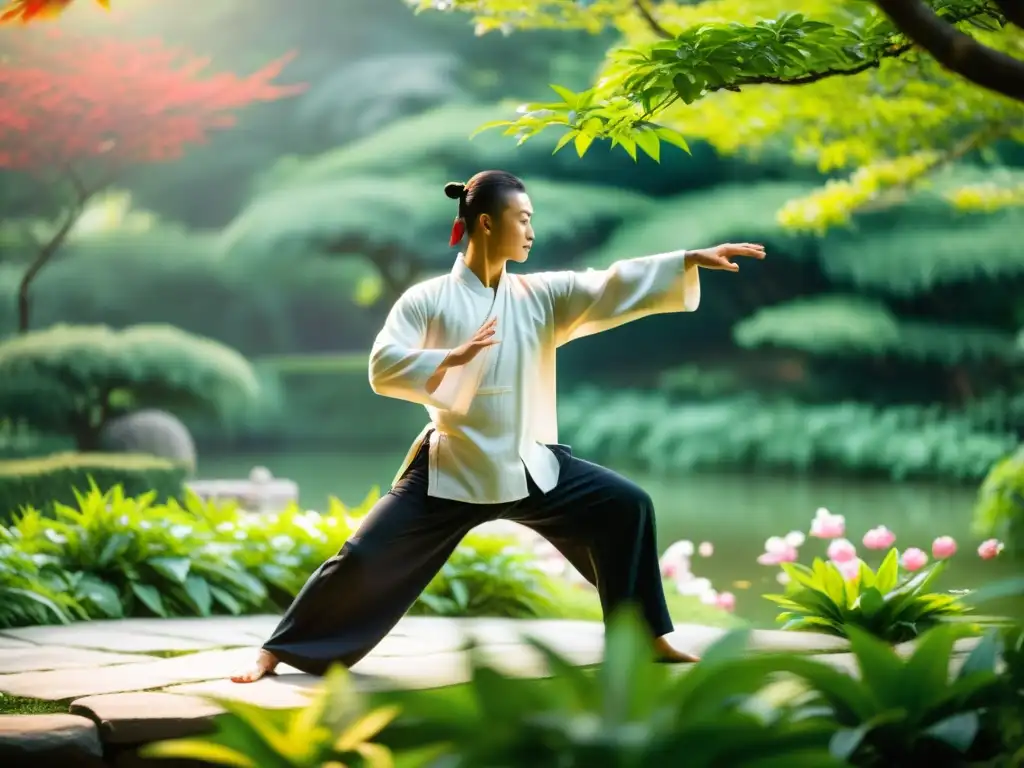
x: 734, y: 512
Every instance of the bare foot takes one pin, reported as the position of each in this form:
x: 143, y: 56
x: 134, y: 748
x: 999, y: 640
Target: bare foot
x: 266, y: 662
x: 669, y: 655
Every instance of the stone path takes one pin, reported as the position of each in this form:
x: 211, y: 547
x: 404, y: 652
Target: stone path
x: 121, y: 692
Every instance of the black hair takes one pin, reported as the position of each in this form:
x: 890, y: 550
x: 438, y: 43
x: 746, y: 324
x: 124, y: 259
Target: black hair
x: 486, y: 192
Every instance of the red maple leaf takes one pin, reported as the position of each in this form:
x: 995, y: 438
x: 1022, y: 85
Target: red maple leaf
x: 85, y: 107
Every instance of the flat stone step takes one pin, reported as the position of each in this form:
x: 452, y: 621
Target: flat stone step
x: 106, y: 636
x: 122, y: 678
x: 138, y: 718
x: 68, y: 741
x: 10, y: 642
x: 32, y: 658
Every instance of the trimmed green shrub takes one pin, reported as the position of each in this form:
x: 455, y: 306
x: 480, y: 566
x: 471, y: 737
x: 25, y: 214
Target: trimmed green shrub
x: 662, y: 435
x: 44, y: 481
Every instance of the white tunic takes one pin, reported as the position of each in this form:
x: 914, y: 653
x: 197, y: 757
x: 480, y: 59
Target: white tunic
x: 495, y: 414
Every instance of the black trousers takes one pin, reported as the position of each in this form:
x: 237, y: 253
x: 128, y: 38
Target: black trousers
x: 602, y: 523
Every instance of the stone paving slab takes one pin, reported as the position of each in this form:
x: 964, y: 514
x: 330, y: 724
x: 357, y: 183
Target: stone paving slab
x: 68, y: 741
x: 696, y: 638
x: 10, y: 642
x: 219, y: 631
x: 112, y: 637
x: 39, y: 657
x: 73, y: 683
x: 135, y: 718
x: 284, y: 691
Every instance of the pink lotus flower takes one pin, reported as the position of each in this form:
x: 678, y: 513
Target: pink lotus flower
x: 850, y: 569
x: 795, y: 538
x: 841, y: 551
x: 827, y: 526
x: 879, y: 538
x: 943, y: 547
x: 706, y: 549
x: 694, y: 586
x: 776, y: 551
x: 990, y: 548
x: 726, y: 601
x: 675, y: 563
x: 914, y: 559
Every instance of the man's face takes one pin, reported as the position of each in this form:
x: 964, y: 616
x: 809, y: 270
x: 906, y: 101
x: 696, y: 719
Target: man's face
x: 511, y: 233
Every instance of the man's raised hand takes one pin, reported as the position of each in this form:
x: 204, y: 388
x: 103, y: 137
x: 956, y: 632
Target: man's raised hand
x: 720, y: 257
x: 480, y: 340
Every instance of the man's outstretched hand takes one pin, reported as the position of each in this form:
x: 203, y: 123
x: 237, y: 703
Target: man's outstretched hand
x: 720, y: 257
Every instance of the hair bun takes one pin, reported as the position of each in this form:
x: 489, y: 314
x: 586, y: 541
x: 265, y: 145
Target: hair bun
x: 455, y: 189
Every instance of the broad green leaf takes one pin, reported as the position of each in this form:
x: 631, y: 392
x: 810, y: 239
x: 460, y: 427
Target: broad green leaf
x: 204, y: 752
x: 101, y: 594
x: 870, y: 602
x: 460, y: 592
x: 926, y: 675
x: 55, y: 610
x: 565, y: 139
x: 365, y: 728
x: 850, y: 699
x: 846, y: 741
x: 376, y: 755
x: 880, y: 667
x: 227, y: 600
x: 583, y: 141
x: 803, y: 575
x: 502, y: 699
x: 489, y: 126
x: 174, y: 568
x: 150, y: 597
x: 582, y: 688
x: 628, y: 677
x: 888, y: 572
x: 570, y: 98
x: 114, y: 547
x: 984, y: 656
x: 672, y: 137
x: 959, y: 731
x: 648, y: 141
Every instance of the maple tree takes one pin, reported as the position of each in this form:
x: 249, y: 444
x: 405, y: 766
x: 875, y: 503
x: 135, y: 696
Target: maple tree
x: 76, y: 110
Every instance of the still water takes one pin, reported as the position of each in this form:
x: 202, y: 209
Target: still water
x: 735, y: 512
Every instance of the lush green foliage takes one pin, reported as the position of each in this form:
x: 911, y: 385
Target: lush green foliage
x: 31, y: 590
x: 836, y: 80
x: 114, y: 555
x: 882, y: 603
x: 834, y: 325
x: 332, y: 727
x: 733, y: 708
x: 653, y: 431
x: 43, y: 482
x: 70, y: 380
x: 999, y: 512
x: 363, y: 201
x: 489, y: 575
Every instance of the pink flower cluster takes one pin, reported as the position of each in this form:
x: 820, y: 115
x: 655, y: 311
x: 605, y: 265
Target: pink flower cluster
x: 676, y: 566
x: 843, y: 553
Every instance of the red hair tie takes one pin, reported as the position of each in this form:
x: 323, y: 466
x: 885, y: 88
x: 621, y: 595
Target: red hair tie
x: 458, y: 230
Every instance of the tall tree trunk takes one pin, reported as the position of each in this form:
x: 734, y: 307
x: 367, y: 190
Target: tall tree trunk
x: 41, y: 260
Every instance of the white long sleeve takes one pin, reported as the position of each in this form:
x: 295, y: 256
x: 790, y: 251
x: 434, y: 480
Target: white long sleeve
x: 400, y: 367
x: 592, y: 301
